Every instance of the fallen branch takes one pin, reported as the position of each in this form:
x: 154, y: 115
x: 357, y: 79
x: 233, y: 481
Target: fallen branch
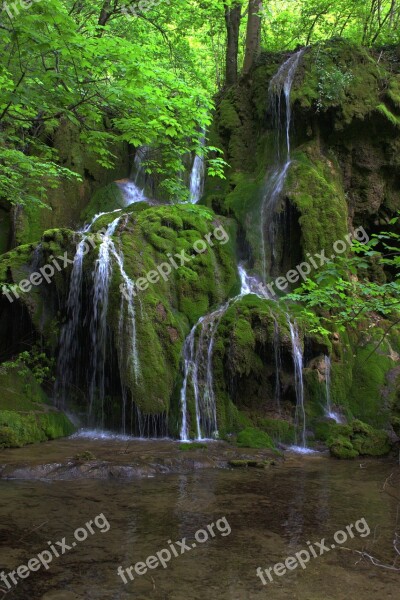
x: 372, y: 559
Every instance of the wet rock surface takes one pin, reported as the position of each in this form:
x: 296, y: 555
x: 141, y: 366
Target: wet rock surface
x: 80, y: 458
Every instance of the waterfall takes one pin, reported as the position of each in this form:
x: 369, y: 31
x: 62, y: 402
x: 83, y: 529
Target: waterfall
x: 280, y: 85
x: 198, y: 369
x: 133, y: 189
x: 127, y: 317
x: 250, y: 284
x: 138, y: 170
x: 68, y: 358
x: 198, y: 347
x: 69, y: 340
x: 198, y: 363
x: 129, y: 360
x: 329, y: 412
x: 98, y: 327
x: 132, y: 193
x: 300, y: 418
x: 327, y: 361
x: 196, y: 185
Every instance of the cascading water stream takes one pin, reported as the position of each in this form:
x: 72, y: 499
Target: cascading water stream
x: 133, y: 189
x: 69, y: 344
x: 198, y: 348
x: 69, y: 341
x: 329, y: 412
x: 327, y: 362
x: 198, y: 368
x: 300, y: 417
x: 280, y: 85
x: 198, y: 363
x: 196, y: 184
x: 280, y: 88
x: 128, y: 362
x: 98, y: 327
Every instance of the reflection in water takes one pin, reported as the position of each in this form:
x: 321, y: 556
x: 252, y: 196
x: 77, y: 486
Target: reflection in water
x: 272, y: 513
x: 294, y: 524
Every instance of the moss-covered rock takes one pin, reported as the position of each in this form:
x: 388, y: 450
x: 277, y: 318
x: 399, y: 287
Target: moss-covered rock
x: 105, y: 199
x: 19, y: 429
x: 66, y: 202
x: 357, y: 439
x: 153, y: 240
x: 191, y: 446
x: 341, y: 447
x: 315, y: 188
x: 25, y: 414
x: 254, y: 438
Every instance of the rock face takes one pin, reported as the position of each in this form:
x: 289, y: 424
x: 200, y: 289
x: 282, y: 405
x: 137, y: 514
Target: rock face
x: 65, y: 203
x: 344, y: 174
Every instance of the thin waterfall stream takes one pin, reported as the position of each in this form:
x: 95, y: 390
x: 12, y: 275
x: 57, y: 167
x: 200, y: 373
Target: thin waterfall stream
x: 329, y: 412
x: 102, y: 274
x: 300, y: 415
x: 280, y: 85
x: 196, y: 184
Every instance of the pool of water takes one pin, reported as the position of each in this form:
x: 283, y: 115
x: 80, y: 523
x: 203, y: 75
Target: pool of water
x: 271, y: 513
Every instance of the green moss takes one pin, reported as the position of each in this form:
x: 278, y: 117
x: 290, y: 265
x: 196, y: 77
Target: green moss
x: 5, y: 230
x: 55, y: 425
x: 278, y: 429
x: 85, y: 456
x: 369, y: 441
x: 314, y: 187
x: 254, y: 438
x: 25, y: 416
x: 228, y: 117
x: 393, y: 119
x: 341, y: 75
x: 20, y: 429
x: 187, y: 447
x: 393, y: 92
x: 166, y: 310
x: 328, y: 429
x: 20, y: 392
x: 342, y: 448
x: 105, y: 199
x: 31, y: 222
x: 357, y: 439
x: 367, y: 394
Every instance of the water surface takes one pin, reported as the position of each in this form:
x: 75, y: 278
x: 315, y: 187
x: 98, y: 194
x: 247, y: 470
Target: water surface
x: 272, y: 514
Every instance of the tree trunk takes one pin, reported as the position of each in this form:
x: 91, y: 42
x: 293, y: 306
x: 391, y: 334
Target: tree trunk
x: 253, y: 34
x: 232, y: 20
x: 105, y: 13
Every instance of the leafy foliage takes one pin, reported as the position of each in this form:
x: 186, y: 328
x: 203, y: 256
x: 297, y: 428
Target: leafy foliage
x: 344, y: 292
x: 35, y: 362
x: 141, y: 72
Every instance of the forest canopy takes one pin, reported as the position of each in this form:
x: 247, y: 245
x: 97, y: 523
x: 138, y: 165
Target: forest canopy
x: 144, y: 72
